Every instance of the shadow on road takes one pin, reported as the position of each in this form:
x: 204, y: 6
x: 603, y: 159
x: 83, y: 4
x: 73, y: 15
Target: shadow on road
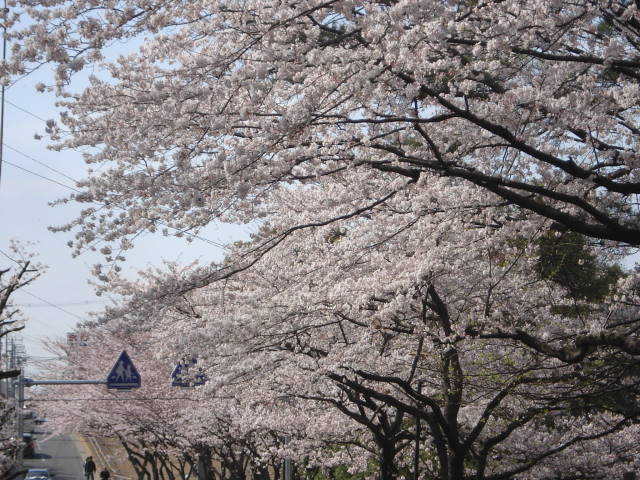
x: 40, y: 456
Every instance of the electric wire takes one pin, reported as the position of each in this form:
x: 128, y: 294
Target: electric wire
x: 28, y: 112
x: 41, y: 163
x: 127, y: 399
x: 44, y: 177
x: 55, y: 306
x: 47, y: 302
x: 25, y: 110
x: 2, y: 88
x: 10, y: 258
x: 68, y: 304
x: 198, y: 237
x: 41, y: 176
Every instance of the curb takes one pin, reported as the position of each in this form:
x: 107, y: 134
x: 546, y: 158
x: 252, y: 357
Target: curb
x: 82, y: 442
x: 91, y: 447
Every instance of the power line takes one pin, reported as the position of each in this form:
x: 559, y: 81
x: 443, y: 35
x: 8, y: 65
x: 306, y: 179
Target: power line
x: 2, y: 89
x: 47, y: 302
x: 41, y: 176
x: 55, y: 306
x: 68, y: 304
x: 109, y: 399
x: 183, y: 232
x: 12, y: 259
x: 25, y: 110
x: 41, y: 163
x: 192, y: 235
x: 32, y: 338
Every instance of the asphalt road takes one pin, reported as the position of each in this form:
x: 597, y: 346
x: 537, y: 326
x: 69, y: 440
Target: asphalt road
x: 60, y: 454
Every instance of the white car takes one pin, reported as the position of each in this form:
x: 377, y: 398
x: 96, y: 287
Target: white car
x: 38, y: 474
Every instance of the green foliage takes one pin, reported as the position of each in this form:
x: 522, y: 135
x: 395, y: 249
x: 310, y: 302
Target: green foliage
x: 340, y: 472
x: 610, y: 76
x: 622, y: 400
x: 412, y: 141
x: 605, y: 26
x: 335, y: 235
x: 566, y: 259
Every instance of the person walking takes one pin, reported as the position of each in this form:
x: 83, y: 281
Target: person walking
x: 89, y: 468
x: 104, y: 474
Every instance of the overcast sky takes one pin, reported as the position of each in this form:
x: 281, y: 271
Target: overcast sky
x: 63, y: 297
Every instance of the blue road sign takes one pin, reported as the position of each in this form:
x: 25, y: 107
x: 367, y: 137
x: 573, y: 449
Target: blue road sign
x: 186, y: 375
x: 178, y: 377
x: 123, y: 375
x: 199, y: 378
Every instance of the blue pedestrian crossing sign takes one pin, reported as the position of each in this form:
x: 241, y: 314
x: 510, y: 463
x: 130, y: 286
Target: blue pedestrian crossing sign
x: 186, y: 375
x: 123, y: 375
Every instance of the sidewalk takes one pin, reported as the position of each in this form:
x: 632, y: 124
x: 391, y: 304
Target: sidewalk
x: 108, y: 452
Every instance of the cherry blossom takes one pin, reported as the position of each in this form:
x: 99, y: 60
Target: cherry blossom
x: 419, y: 175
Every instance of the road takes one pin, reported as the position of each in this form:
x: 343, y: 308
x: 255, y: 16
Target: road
x: 60, y: 454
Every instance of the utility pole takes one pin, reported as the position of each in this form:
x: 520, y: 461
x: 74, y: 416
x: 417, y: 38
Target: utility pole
x: 17, y: 361
x: 2, y: 87
x: 123, y: 376
x: 11, y: 365
x: 287, y: 462
x: 4, y: 386
x: 20, y: 385
x: 6, y: 364
x: 20, y: 416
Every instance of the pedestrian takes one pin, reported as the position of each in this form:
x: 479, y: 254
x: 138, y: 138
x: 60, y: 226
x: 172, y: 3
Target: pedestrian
x: 89, y: 468
x: 104, y: 474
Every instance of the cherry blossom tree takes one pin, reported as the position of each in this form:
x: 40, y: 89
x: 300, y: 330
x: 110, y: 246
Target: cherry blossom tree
x: 245, y: 414
x: 8, y: 443
x: 369, y: 316
x: 167, y: 432
x: 147, y: 422
x: 22, y: 271
x: 449, y: 363
x: 428, y: 181
x: 226, y: 104
x: 366, y: 324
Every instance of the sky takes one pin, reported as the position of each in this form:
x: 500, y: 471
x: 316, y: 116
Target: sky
x: 32, y: 176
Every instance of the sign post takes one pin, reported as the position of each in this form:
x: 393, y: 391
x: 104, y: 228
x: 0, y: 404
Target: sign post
x: 123, y: 376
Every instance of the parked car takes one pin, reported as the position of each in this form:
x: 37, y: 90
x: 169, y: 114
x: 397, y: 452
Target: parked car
x: 39, y: 420
x: 26, y: 413
x: 28, y: 446
x: 38, y: 474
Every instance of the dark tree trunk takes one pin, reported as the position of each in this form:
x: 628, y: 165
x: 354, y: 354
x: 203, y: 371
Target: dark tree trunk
x: 136, y: 459
x: 205, y: 468
x: 260, y: 472
x: 387, y: 459
x: 456, y: 467
x: 416, y: 452
x: 154, y: 466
